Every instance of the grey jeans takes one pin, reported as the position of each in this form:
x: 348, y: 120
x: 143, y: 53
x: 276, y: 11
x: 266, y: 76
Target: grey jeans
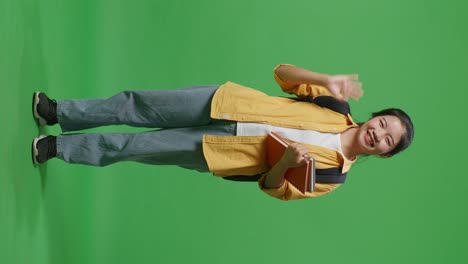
x: 183, y: 117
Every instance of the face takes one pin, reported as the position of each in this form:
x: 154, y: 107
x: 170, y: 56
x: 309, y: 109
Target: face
x: 380, y: 134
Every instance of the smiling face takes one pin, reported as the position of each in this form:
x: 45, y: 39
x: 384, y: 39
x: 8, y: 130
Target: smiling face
x: 380, y: 134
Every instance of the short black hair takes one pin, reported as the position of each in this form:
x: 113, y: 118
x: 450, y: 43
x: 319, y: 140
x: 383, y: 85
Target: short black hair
x: 405, y: 120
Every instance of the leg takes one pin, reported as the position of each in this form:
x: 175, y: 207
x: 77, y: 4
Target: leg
x: 152, y: 109
x: 175, y: 146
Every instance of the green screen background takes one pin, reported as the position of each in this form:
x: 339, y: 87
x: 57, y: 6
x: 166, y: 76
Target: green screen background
x: 407, y: 209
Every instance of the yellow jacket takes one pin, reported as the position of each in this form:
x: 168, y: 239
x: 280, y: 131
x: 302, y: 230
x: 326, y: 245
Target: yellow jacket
x: 245, y: 155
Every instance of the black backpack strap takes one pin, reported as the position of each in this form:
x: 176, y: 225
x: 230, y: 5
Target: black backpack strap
x: 329, y: 102
x: 331, y: 175
x: 243, y: 178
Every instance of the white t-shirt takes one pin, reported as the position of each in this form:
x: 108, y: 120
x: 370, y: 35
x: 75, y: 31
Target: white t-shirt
x: 326, y: 140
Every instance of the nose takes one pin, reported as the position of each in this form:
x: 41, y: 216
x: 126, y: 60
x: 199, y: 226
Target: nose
x: 378, y: 135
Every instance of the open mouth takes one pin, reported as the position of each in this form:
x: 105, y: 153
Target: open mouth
x: 369, y: 139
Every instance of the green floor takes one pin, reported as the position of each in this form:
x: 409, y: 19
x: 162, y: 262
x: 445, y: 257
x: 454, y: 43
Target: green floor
x: 409, y: 54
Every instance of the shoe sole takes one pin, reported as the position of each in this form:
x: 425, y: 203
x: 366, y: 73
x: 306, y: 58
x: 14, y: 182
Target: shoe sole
x: 34, y: 149
x: 40, y: 121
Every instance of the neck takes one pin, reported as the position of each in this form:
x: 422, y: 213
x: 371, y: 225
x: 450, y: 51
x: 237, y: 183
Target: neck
x: 349, y: 143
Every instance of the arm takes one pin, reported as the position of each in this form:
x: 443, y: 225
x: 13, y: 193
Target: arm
x: 302, y: 82
x: 293, y: 75
x: 292, y: 157
x: 275, y: 177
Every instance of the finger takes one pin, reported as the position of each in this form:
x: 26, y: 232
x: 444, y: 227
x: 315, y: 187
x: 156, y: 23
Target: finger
x: 357, y: 91
x: 352, y: 77
x: 296, y: 150
x: 357, y: 95
x: 337, y: 94
x: 294, y: 146
x: 339, y: 97
x: 346, y: 91
x: 345, y: 97
x: 300, y: 160
x: 358, y: 84
x: 302, y: 151
x: 357, y: 87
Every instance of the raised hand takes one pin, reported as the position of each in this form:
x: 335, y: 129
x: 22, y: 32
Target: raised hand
x: 344, y: 87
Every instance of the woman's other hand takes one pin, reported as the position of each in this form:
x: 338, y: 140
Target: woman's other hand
x: 344, y: 87
x: 294, y: 155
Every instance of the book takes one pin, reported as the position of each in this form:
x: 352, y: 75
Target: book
x: 303, y: 177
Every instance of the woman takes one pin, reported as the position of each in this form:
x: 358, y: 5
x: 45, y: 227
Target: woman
x: 223, y: 129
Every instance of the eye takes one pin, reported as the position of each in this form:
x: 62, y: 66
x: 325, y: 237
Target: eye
x: 390, y: 141
x: 384, y: 122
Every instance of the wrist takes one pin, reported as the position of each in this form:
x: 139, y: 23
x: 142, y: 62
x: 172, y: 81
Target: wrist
x: 283, y: 164
x: 326, y: 79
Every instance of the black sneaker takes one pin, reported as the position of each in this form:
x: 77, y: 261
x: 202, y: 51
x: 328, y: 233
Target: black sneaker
x: 44, y: 148
x: 44, y: 109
